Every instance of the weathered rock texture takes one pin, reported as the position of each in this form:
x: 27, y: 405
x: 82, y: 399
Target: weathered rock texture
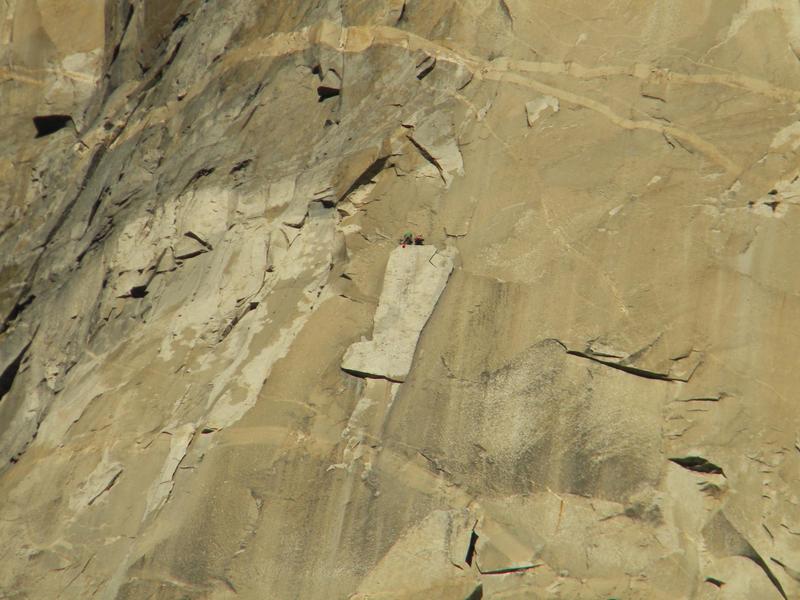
x: 205, y: 386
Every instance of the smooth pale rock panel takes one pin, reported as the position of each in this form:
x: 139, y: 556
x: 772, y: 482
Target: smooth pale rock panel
x: 415, y: 278
x: 535, y: 108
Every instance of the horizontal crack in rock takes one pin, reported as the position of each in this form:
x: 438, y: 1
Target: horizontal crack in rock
x: 627, y: 368
x: 507, y: 570
x: 698, y: 464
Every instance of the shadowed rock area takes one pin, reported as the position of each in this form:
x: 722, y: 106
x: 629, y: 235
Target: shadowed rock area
x: 222, y: 376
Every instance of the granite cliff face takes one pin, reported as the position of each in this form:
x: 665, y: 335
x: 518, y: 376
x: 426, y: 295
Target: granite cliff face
x: 221, y: 377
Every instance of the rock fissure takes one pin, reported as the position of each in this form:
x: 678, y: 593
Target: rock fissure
x: 9, y: 373
x: 107, y: 488
x: 471, y: 549
x: 17, y: 310
x: 644, y: 373
x: 426, y: 67
x: 698, y: 464
x: 507, y: 570
x: 366, y: 177
x: 428, y: 156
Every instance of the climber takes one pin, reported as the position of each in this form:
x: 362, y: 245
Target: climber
x: 418, y: 240
x: 408, y: 239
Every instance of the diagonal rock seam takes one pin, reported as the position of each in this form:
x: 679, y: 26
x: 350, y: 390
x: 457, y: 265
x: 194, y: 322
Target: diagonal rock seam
x: 429, y: 157
x: 366, y: 177
x: 726, y: 540
x: 644, y: 373
x: 107, y: 487
x: 9, y: 374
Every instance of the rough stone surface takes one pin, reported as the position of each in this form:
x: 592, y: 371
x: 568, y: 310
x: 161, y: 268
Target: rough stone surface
x: 200, y: 208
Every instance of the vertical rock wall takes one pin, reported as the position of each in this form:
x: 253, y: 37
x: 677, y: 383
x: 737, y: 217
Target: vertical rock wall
x: 220, y: 377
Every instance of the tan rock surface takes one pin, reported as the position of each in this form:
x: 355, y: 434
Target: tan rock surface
x: 200, y: 207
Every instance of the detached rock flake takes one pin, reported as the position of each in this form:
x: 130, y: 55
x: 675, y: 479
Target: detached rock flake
x: 415, y: 278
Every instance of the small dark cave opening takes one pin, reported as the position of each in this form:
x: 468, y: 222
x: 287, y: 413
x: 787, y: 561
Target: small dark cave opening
x: 48, y: 124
